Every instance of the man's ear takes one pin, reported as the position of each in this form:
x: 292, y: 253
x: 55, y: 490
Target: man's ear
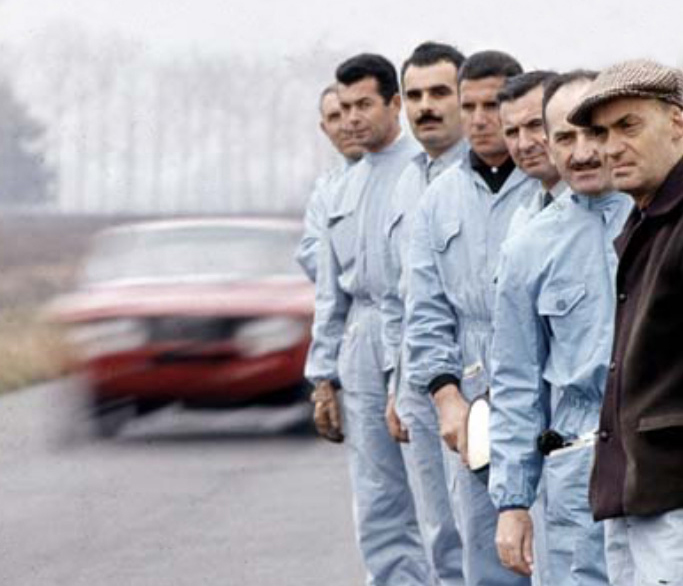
x: 677, y: 122
x: 396, y: 103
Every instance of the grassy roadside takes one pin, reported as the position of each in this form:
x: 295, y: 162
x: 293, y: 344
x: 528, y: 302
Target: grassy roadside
x: 29, y: 346
x: 29, y: 349
x: 38, y: 259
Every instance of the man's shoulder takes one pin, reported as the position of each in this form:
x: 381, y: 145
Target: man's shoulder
x: 540, y: 232
x: 453, y: 179
x: 554, y: 227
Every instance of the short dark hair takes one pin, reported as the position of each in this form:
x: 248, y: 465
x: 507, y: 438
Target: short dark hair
x: 370, y: 65
x: 329, y: 89
x: 553, y: 85
x: 430, y: 53
x: 520, y: 85
x: 489, y: 64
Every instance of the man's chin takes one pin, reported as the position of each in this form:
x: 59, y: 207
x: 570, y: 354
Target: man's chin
x: 589, y: 186
x: 532, y: 168
x: 487, y: 148
x: 627, y: 184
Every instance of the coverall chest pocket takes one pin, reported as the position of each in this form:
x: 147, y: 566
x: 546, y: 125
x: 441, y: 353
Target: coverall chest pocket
x: 343, y: 237
x: 558, y: 304
x: 444, y: 236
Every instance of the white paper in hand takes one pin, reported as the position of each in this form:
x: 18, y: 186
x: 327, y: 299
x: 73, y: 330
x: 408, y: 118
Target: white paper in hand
x: 478, y: 445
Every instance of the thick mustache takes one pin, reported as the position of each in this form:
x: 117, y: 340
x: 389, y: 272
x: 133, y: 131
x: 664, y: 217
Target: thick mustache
x: 586, y: 166
x: 428, y: 118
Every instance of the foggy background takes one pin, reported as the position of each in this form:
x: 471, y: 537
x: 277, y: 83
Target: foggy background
x: 173, y: 106
x: 111, y: 110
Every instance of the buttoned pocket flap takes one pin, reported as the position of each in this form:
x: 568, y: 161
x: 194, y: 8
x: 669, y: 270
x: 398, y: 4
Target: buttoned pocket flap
x: 444, y: 233
x: 658, y: 422
x: 343, y: 237
x: 560, y: 301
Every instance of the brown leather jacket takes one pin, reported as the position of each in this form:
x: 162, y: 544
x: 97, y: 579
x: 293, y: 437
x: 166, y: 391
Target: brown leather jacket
x: 639, y: 455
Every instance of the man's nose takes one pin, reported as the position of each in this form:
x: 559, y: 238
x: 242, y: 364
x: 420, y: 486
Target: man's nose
x: 425, y: 103
x: 479, y: 117
x: 526, y: 142
x: 613, y: 147
x: 584, y: 149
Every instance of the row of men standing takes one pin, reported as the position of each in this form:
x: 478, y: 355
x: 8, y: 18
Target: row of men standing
x: 476, y: 260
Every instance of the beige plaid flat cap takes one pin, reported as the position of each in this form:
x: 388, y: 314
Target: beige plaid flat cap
x: 640, y: 78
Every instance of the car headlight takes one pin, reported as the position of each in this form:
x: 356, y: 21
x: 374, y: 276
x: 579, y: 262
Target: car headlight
x: 266, y: 335
x: 96, y: 339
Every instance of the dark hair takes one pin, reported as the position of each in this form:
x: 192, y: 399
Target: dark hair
x: 330, y: 89
x: 430, y: 53
x: 520, y: 85
x: 489, y: 64
x: 553, y: 85
x: 370, y: 65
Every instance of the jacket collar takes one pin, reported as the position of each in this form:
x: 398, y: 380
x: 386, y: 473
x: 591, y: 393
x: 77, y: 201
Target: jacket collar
x: 669, y: 195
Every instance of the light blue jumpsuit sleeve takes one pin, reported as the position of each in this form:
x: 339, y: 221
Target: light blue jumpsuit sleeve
x: 331, y: 309
x: 431, y: 334
x: 391, y: 302
x: 315, y: 222
x: 520, y: 398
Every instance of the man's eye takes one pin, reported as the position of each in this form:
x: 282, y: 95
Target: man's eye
x: 441, y: 92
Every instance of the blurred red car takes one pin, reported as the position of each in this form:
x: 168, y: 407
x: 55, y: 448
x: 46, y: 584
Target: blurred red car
x: 205, y: 312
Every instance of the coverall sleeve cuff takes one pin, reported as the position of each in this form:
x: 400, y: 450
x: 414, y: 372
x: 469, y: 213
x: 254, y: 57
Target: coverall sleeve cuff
x: 441, y: 381
x: 513, y: 508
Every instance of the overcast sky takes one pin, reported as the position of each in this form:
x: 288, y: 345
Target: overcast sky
x: 541, y: 33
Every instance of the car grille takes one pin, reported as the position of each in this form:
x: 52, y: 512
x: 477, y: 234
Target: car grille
x: 195, y: 329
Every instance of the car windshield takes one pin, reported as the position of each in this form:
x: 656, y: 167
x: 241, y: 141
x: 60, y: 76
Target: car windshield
x: 193, y: 253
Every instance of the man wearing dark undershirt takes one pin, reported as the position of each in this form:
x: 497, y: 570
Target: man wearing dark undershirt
x: 459, y: 227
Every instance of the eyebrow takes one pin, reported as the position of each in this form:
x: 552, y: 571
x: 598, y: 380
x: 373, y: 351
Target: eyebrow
x: 626, y: 118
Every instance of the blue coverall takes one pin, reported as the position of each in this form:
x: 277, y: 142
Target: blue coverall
x: 457, y: 234
x: 553, y: 325
x: 347, y: 347
x: 327, y: 186
x: 416, y: 411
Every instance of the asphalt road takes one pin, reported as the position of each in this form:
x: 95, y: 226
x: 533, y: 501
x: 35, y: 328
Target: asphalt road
x: 180, y: 499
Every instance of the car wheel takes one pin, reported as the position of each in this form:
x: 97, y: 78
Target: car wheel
x: 110, y: 415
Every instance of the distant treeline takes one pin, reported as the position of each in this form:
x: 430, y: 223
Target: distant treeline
x: 123, y: 131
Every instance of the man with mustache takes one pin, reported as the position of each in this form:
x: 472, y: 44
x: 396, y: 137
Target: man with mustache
x: 522, y: 120
x: 637, y: 482
x: 457, y: 231
x: 330, y: 183
x: 430, y: 95
x: 346, y: 351
x: 550, y: 356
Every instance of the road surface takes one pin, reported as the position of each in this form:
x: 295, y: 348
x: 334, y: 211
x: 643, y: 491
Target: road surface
x: 180, y: 499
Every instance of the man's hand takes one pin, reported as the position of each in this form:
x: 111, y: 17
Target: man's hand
x: 327, y: 413
x: 396, y: 429
x: 453, y: 410
x: 514, y: 540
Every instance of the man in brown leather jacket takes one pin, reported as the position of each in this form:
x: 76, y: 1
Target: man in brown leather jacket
x: 637, y: 483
